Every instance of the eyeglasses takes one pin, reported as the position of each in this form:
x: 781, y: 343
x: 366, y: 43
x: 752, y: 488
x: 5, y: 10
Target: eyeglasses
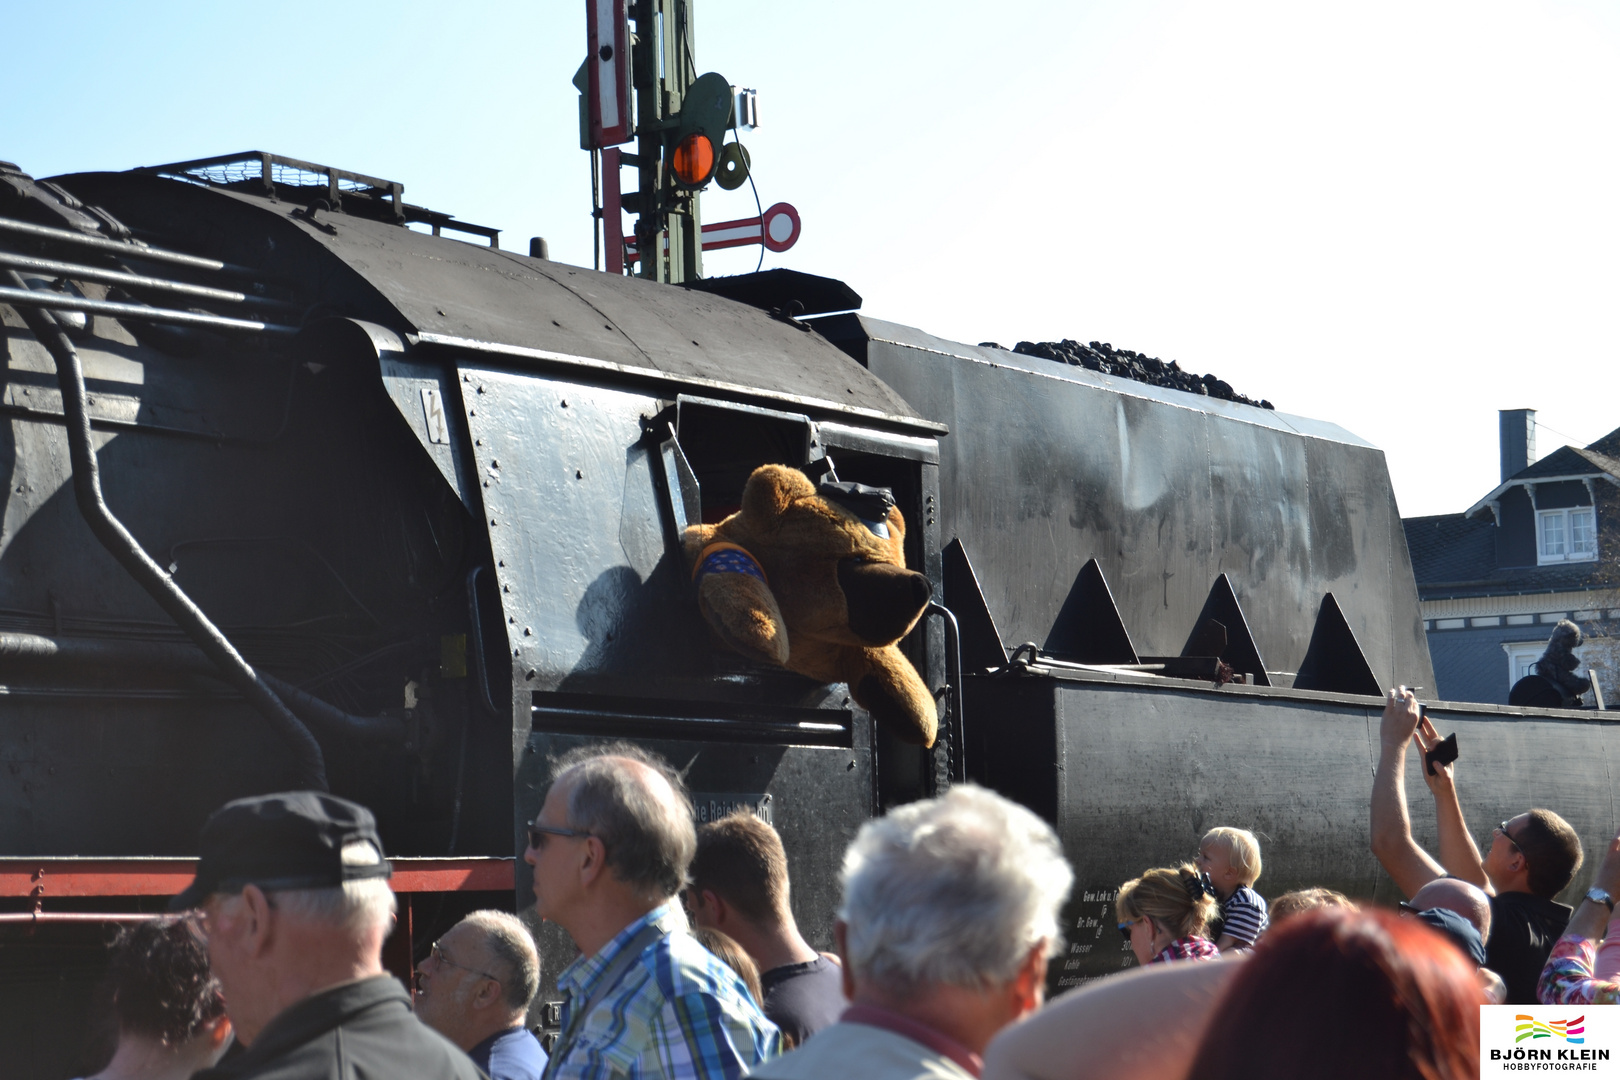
x: 1125, y: 929
x: 1502, y: 828
x: 439, y: 957
x: 539, y: 832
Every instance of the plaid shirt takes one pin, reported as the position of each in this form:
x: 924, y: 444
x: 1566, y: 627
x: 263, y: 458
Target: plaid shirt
x: 677, y: 1014
x: 1188, y: 948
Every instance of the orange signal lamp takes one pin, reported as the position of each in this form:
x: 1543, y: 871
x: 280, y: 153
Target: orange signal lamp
x: 693, y: 160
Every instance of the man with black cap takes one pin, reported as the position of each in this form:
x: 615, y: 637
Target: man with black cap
x: 293, y: 891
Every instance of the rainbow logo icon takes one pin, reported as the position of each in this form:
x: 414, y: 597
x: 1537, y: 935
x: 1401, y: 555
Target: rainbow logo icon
x: 1571, y: 1031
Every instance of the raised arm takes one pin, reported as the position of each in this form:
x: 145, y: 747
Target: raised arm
x: 1410, y: 866
x: 1458, y: 852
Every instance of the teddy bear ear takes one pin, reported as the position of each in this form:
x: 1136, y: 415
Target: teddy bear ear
x: 772, y: 489
x: 897, y: 535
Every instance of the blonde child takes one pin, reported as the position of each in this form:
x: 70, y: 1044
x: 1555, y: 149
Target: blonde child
x: 1231, y: 858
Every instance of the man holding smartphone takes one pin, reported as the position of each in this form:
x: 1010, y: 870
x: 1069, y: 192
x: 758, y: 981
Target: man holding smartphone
x: 1532, y: 856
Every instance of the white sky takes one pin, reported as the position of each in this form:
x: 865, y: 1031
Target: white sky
x: 1396, y: 216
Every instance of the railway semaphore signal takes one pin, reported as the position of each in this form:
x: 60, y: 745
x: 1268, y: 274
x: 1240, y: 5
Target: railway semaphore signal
x: 643, y: 84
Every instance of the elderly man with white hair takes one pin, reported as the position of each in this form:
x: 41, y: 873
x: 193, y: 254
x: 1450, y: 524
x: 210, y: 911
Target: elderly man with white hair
x: 950, y: 912
x: 474, y: 988
x: 293, y: 891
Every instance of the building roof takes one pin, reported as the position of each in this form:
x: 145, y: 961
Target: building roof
x: 1609, y: 445
x: 1454, y: 555
x: 1565, y: 463
x: 1451, y: 547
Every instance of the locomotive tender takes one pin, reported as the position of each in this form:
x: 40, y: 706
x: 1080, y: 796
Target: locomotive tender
x: 427, y: 493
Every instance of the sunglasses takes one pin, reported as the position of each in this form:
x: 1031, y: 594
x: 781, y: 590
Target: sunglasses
x: 1502, y: 828
x: 538, y: 833
x: 1125, y: 929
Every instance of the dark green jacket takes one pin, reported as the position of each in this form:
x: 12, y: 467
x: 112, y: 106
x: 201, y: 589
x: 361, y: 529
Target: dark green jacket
x: 362, y: 1030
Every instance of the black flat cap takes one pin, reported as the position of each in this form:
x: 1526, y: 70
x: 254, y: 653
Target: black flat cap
x: 292, y: 840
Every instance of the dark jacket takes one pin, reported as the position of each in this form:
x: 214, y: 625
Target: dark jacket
x: 355, y: 1030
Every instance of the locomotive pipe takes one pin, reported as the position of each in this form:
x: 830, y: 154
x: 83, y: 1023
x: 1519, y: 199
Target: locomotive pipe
x: 139, y: 565
x: 102, y: 652
x: 81, y: 272
x: 22, y: 297
x: 118, y: 247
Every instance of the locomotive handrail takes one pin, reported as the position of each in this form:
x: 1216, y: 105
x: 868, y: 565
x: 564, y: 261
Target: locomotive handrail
x: 23, y: 297
x: 119, y: 247
x: 955, y: 732
x: 81, y: 272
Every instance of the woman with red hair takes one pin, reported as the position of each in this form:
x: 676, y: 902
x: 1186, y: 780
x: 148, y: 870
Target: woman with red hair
x: 1332, y: 993
x: 1347, y: 994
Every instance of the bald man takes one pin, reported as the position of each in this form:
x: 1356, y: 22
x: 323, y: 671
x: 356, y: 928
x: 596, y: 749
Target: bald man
x: 610, y: 850
x: 1471, y: 903
x: 1465, y: 899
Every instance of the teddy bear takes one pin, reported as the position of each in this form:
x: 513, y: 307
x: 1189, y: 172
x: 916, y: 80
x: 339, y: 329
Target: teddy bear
x: 813, y: 579
x: 1559, y: 663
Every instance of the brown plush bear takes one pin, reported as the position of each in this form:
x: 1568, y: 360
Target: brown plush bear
x: 816, y: 582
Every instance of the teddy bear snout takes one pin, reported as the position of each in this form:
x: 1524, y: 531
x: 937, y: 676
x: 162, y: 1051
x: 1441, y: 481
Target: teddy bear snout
x: 884, y: 600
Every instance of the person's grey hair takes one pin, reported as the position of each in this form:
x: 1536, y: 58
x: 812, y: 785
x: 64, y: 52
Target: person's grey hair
x: 359, y: 906
x: 649, y: 843
x: 954, y: 891
x: 516, y: 962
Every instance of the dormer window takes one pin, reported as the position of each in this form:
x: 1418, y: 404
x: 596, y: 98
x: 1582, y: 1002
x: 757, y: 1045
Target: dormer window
x: 1566, y: 535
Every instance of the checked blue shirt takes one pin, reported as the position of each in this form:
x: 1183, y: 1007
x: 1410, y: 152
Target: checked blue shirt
x: 678, y: 1013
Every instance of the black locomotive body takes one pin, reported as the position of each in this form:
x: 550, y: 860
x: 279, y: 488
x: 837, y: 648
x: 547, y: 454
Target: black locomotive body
x: 430, y: 491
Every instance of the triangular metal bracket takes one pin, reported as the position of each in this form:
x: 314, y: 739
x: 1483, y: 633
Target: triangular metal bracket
x: 981, y: 641
x: 1334, y: 661
x: 1088, y: 629
x: 1233, y: 642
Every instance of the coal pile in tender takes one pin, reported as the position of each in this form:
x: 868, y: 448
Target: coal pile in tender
x: 1103, y: 357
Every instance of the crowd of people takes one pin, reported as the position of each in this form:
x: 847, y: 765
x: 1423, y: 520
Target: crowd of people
x: 692, y: 967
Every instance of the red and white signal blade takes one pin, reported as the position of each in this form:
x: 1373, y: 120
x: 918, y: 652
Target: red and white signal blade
x: 777, y: 229
x: 607, y: 33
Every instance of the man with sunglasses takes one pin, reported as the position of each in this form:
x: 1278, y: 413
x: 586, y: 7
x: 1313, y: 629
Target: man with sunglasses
x: 610, y: 849
x: 474, y: 988
x: 1532, y: 856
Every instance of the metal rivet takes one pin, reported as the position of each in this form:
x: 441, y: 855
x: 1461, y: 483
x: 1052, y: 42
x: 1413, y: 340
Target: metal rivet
x: 527, y: 632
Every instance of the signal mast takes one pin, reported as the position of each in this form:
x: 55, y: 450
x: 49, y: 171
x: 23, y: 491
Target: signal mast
x: 642, y: 85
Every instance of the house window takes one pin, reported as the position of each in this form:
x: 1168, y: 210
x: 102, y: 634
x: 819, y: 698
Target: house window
x: 1566, y: 535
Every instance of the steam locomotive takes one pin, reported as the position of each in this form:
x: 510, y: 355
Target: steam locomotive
x: 300, y: 495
